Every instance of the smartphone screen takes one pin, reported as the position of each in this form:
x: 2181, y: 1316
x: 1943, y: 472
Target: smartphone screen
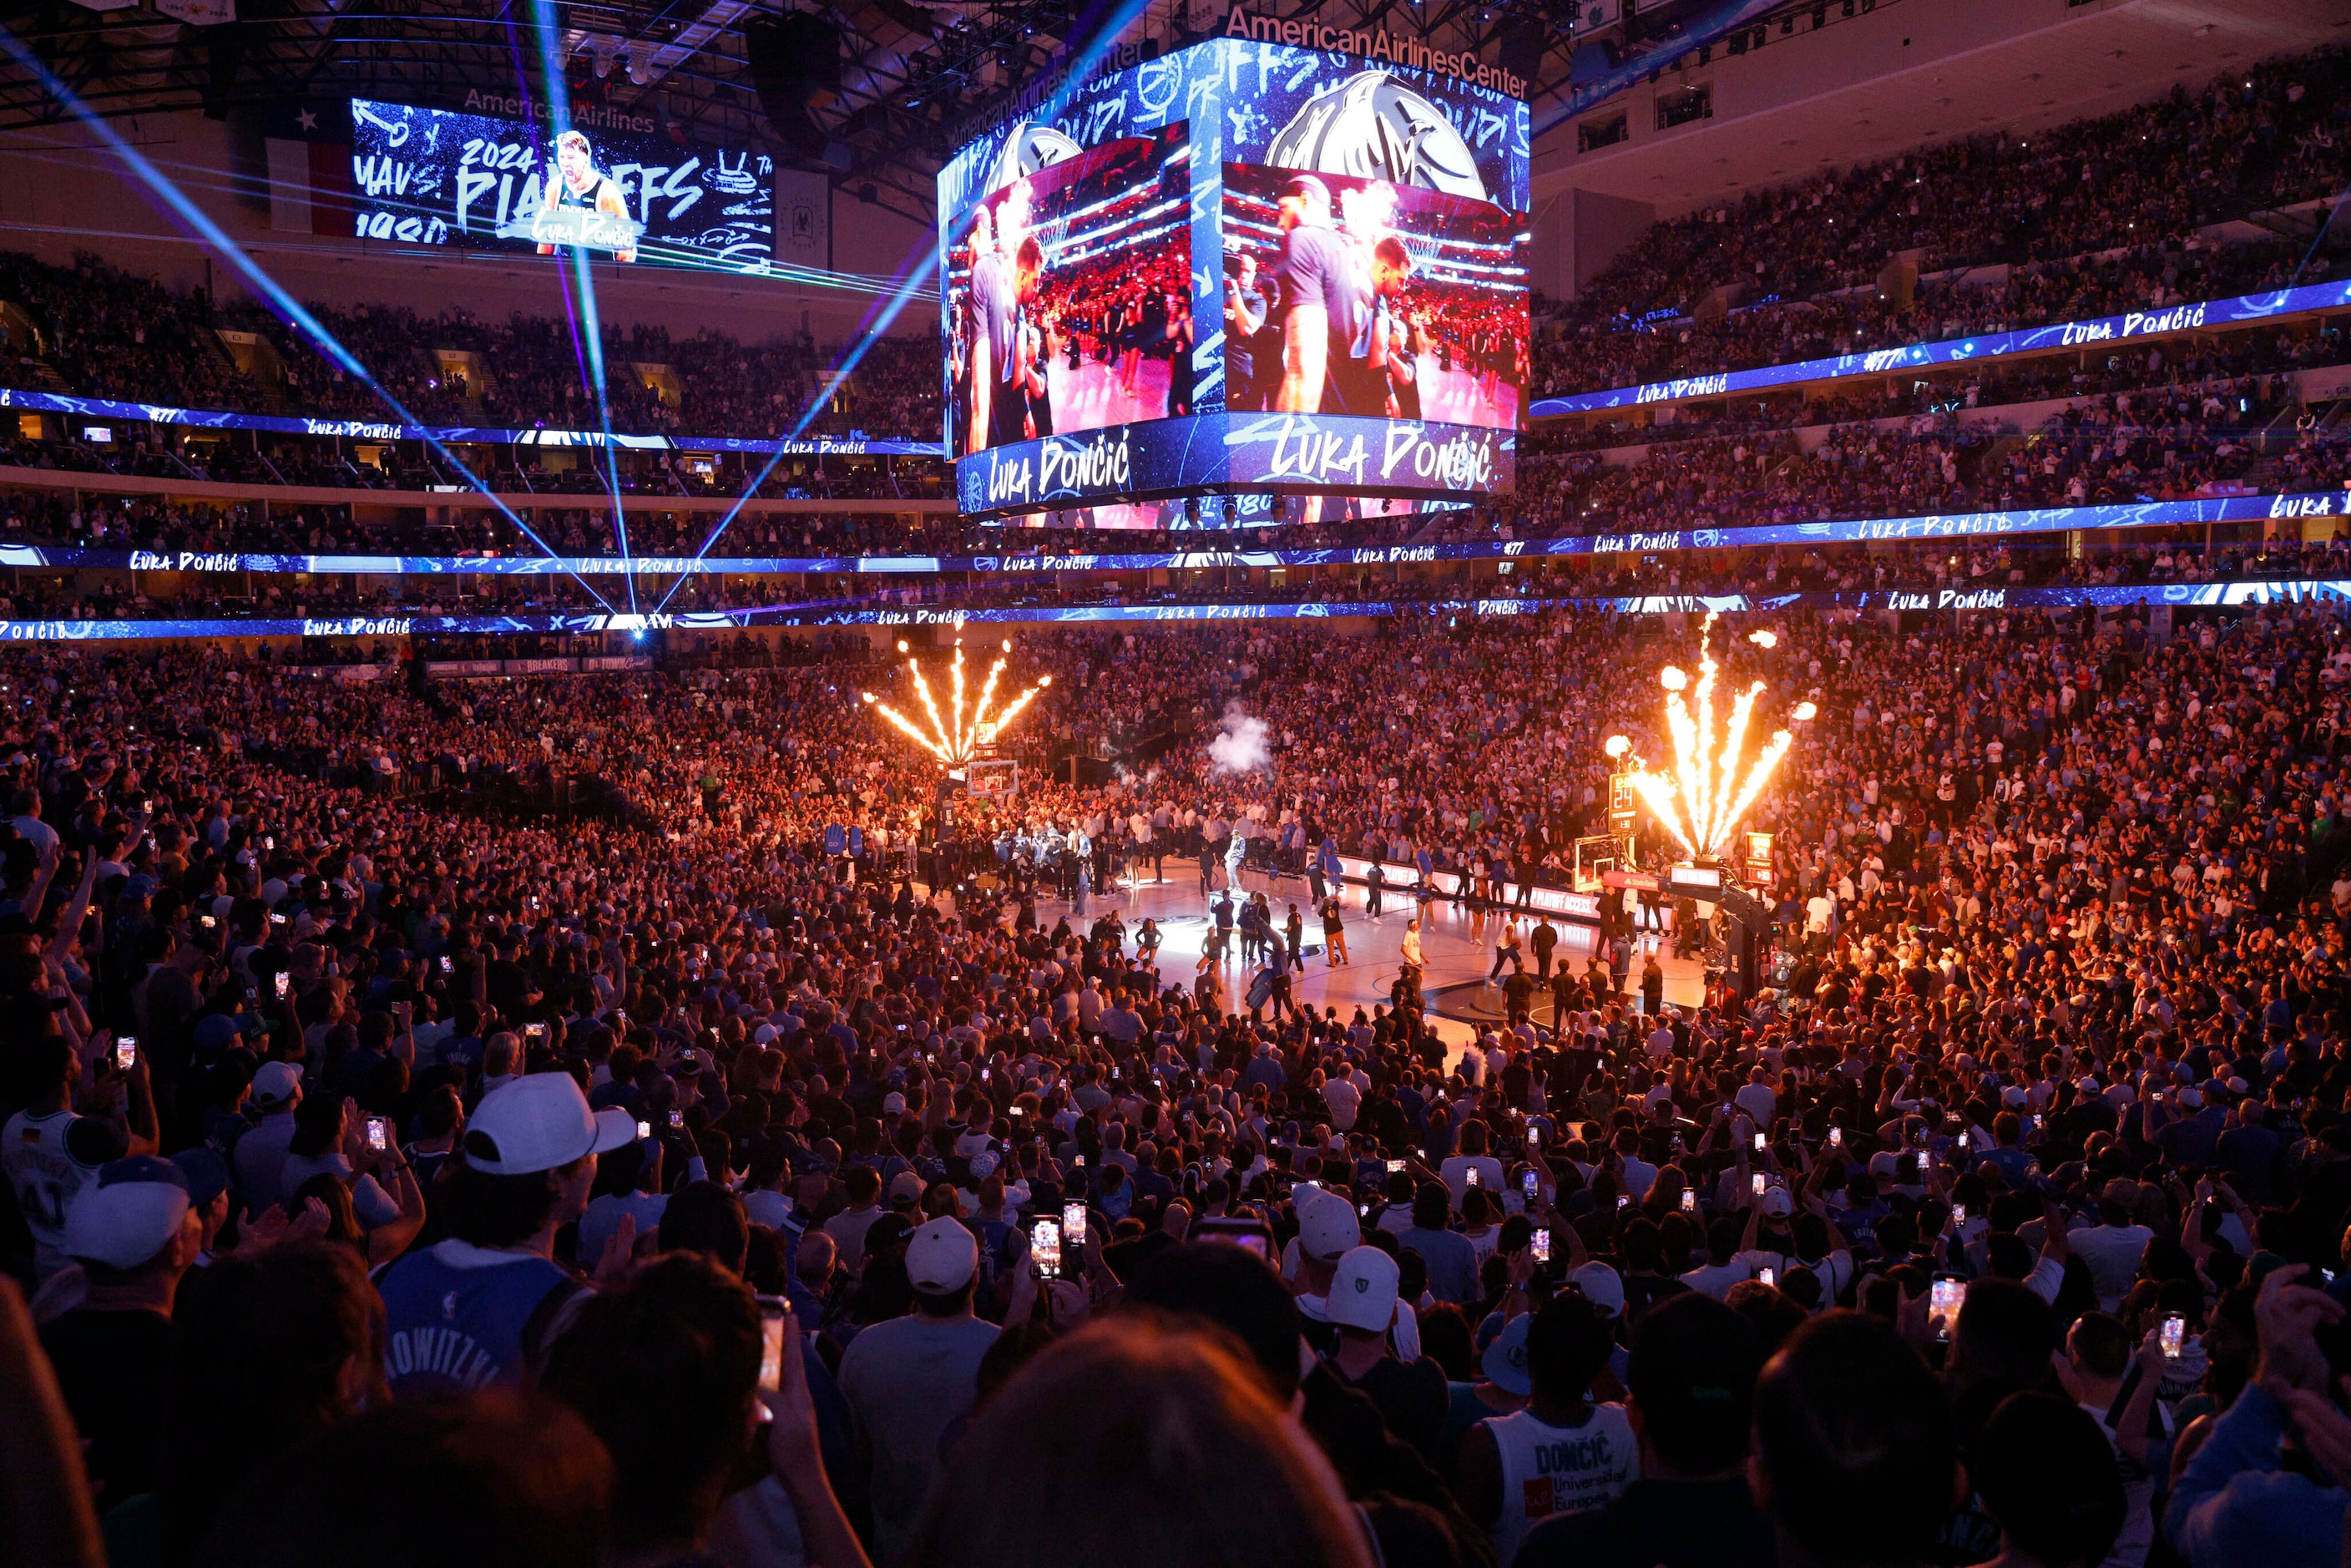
x: 1622, y: 1200
x: 1943, y: 1300
x: 676, y: 1119
x: 1959, y: 1214
x: 1543, y: 1246
x: 1963, y: 1140
x: 126, y: 1051
x: 1240, y: 1229
x: 1689, y: 1201
x: 1758, y: 1143
x: 281, y: 983
x: 377, y: 1135
x: 1757, y: 1183
x: 1526, y: 1186
x: 1073, y: 1224
x: 1837, y: 1136
x: 644, y: 1130
x: 1394, y: 1166
x: 445, y: 965
x: 1767, y: 1276
x: 1045, y: 1249
x: 1470, y: 1175
x: 2172, y: 1336
x: 775, y: 1320
x: 1534, y: 1139
x: 208, y: 921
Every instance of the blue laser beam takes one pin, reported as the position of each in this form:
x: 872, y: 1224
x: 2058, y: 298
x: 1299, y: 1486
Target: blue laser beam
x: 594, y: 335
x: 1082, y: 71
x: 588, y: 329
x: 869, y: 333
x: 287, y: 308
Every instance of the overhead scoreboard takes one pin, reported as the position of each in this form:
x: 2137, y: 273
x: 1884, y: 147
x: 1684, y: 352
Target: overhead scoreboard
x: 1288, y: 262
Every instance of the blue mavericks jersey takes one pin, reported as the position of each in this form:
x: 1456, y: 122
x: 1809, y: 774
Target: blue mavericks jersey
x: 460, y: 1317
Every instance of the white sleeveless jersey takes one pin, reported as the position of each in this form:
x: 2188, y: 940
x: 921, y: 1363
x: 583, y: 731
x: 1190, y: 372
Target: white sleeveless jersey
x: 1549, y: 1470
x: 45, y: 1177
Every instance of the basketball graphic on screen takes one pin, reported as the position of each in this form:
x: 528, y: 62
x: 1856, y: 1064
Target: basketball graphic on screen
x: 1374, y: 127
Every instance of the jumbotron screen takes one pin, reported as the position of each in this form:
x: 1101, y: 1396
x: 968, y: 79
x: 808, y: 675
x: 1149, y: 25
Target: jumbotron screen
x: 1249, y: 267
x: 480, y: 182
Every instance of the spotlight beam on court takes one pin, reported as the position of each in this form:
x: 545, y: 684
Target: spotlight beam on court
x: 288, y: 308
x: 1114, y: 20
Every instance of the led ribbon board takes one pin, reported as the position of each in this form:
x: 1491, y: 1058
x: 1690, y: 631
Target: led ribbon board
x: 383, y: 430
x: 2240, y: 310
x: 1946, y: 600
x: 1950, y: 526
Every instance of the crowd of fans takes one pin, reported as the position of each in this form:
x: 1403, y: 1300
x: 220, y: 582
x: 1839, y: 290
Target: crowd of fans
x: 1582, y: 358
x: 642, y: 1186
x: 608, y: 1117
x: 2256, y: 356
x: 2093, y: 217
x: 108, y: 333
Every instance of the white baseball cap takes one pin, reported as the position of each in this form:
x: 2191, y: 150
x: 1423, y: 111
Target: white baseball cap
x: 128, y: 1213
x: 1505, y: 1361
x: 1327, y: 1227
x: 539, y: 1123
x: 941, y: 1256
x: 1363, y: 1291
x: 1602, y: 1286
x: 275, y: 1082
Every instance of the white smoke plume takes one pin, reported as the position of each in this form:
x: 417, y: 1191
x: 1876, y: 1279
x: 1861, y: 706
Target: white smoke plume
x: 1240, y: 747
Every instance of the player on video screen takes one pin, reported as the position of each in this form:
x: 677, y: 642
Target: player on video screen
x: 1398, y: 338
x: 1005, y: 276
x: 1245, y: 309
x: 574, y: 182
x: 1337, y: 291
